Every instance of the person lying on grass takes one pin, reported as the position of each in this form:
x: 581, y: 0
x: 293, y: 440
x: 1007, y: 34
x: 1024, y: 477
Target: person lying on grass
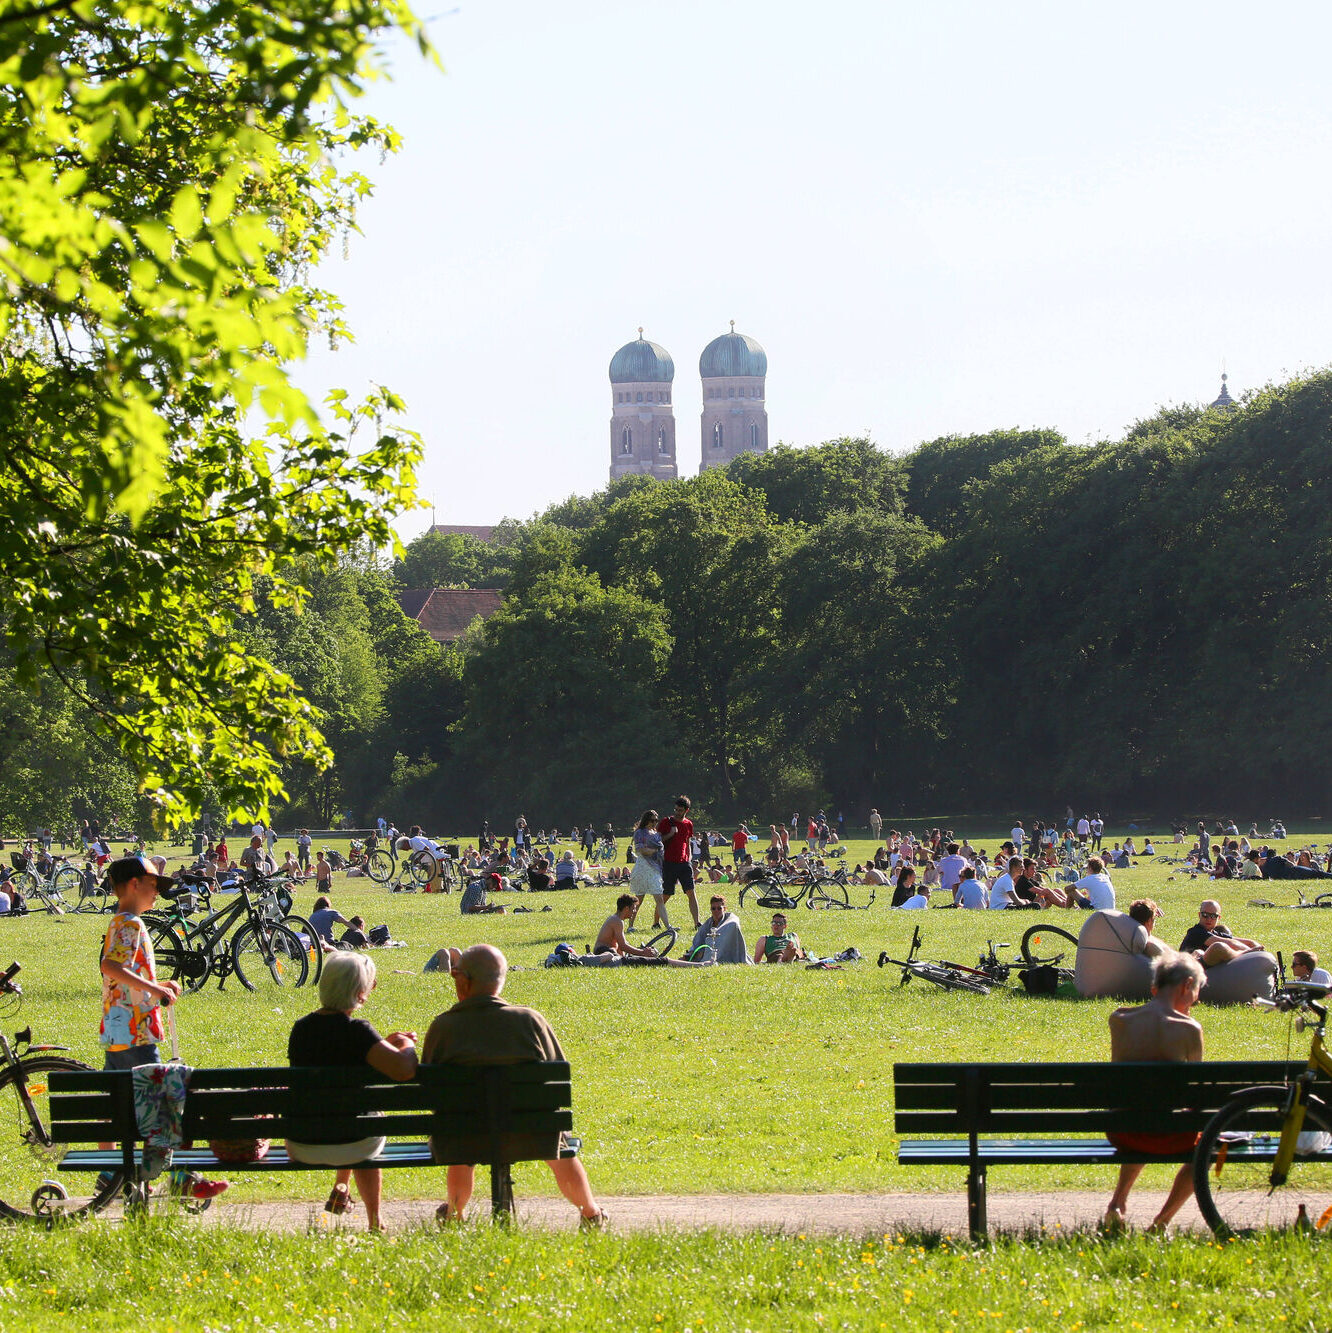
x: 780, y: 945
x: 1161, y: 1029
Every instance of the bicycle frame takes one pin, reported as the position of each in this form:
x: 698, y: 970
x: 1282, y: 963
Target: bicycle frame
x: 1320, y: 1061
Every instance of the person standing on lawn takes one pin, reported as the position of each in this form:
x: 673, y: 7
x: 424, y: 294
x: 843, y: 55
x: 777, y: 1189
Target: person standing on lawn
x: 676, y: 868
x: 132, y: 996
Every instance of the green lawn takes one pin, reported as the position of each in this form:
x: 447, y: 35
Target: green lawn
x: 727, y: 1079
x: 113, y: 1277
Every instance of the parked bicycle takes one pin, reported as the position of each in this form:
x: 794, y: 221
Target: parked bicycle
x: 1262, y: 1163
x: 28, y: 1156
x: 947, y: 975
x: 246, y: 937
x: 45, y: 880
x: 1045, y: 945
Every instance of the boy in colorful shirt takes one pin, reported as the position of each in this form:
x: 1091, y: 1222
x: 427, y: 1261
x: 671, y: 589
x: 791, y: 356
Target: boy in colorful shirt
x: 132, y: 996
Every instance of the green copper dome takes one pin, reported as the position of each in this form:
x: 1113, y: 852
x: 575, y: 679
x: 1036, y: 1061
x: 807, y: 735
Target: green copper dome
x: 732, y: 354
x: 642, y: 362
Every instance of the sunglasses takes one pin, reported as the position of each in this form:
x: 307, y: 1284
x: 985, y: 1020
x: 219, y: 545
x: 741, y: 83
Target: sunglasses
x: 1209, y: 915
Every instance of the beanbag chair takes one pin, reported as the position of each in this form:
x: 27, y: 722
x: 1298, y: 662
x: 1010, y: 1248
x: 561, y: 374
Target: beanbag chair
x: 1110, y: 957
x: 1250, y: 976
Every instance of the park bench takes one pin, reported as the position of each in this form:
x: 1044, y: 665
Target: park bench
x: 473, y: 1113
x: 1043, y: 1114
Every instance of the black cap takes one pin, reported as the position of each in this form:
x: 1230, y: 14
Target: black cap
x: 131, y: 867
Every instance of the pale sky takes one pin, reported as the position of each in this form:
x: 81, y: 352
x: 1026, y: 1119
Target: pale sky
x: 936, y: 218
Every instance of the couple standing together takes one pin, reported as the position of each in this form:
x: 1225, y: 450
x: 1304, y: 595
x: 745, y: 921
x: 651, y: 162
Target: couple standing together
x: 661, y: 861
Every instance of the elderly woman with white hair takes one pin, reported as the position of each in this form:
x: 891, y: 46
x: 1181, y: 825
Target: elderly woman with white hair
x: 332, y: 1036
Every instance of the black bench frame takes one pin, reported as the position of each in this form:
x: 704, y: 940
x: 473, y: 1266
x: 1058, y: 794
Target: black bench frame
x: 1040, y: 1101
x: 491, y: 1115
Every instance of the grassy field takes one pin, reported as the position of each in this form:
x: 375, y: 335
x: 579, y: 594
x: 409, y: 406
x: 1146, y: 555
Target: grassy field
x: 727, y: 1079
x: 114, y: 1277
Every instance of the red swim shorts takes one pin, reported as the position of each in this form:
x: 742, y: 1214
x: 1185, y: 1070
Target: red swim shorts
x: 1160, y: 1145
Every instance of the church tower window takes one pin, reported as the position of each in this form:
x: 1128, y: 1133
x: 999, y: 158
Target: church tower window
x: 626, y: 441
x: 717, y: 436
x: 753, y: 436
x: 661, y: 442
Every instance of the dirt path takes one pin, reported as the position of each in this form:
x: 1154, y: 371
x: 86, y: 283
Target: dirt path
x: 793, y: 1213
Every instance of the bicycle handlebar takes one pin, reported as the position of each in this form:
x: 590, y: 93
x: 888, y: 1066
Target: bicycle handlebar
x: 7, y: 985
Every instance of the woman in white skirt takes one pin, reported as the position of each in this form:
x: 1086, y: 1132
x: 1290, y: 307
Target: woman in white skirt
x: 331, y: 1036
x: 645, y: 878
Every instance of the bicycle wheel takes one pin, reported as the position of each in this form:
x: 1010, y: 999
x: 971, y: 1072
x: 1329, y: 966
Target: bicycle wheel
x: 310, y: 939
x: 268, y: 955
x: 1235, y: 1193
x: 448, y: 876
x: 380, y: 865
x: 664, y: 942
x: 67, y: 880
x: 29, y: 1187
x: 948, y: 979
x: 1323, y: 900
x: 421, y: 867
x: 827, y: 893
x: 1041, y: 944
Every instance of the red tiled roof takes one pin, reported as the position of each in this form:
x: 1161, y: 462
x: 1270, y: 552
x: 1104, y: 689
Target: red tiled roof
x: 445, y: 613
x: 482, y: 534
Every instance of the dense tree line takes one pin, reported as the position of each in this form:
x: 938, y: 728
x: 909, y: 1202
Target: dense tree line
x: 1002, y: 623
x: 998, y: 622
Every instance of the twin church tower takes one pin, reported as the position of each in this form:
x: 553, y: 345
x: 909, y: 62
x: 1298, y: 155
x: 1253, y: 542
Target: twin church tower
x: 735, y: 419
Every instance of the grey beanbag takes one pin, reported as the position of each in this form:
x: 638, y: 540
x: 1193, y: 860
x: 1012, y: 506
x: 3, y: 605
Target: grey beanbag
x: 1250, y: 976
x: 1110, y: 957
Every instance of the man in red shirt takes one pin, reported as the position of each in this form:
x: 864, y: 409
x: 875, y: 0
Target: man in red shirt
x: 739, y: 841
x: 675, y: 831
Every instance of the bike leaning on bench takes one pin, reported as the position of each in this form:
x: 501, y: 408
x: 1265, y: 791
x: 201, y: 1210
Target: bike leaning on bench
x: 1264, y: 1161
x: 29, y: 1156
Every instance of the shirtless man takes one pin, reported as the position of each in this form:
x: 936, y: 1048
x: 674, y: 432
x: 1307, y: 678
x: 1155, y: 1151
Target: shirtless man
x: 1161, y: 1029
x: 610, y: 938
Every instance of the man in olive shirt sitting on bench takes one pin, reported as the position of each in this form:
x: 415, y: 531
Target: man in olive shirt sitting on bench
x: 481, y: 1029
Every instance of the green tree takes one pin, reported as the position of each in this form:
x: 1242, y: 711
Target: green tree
x: 166, y: 183
x: 709, y: 553
x: 806, y: 485
x: 563, y: 706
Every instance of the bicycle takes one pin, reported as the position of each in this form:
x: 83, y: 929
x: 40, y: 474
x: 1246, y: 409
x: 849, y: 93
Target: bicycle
x: 1243, y: 1163
x: 48, y: 888
x: 419, y: 866
x: 945, y: 975
x: 261, y: 951
x: 28, y: 1157
x: 1039, y: 943
x: 990, y: 968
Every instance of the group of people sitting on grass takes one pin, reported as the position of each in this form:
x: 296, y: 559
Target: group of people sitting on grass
x: 1013, y: 882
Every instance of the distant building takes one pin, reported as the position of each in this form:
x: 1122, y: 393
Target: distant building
x: 482, y: 532
x: 734, y: 370
x: 642, y: 419
x: 1223, y: 402
x: 445, y: 613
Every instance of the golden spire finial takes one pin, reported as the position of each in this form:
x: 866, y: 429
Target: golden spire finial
x: 640, y: 333
x: 733, y: 326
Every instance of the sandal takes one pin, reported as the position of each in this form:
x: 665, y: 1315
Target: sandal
x: 338, y: 1200
x: 444, y: 1215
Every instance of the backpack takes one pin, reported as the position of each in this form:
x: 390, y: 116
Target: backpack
x: 379, y: 935
x: 1042, y: 980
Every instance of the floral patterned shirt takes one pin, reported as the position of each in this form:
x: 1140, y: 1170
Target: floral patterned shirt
x: 129, y: 1016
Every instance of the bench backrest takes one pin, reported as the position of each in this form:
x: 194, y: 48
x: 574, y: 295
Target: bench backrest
x: 1025, y: 1099
x: 476, y: 1113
